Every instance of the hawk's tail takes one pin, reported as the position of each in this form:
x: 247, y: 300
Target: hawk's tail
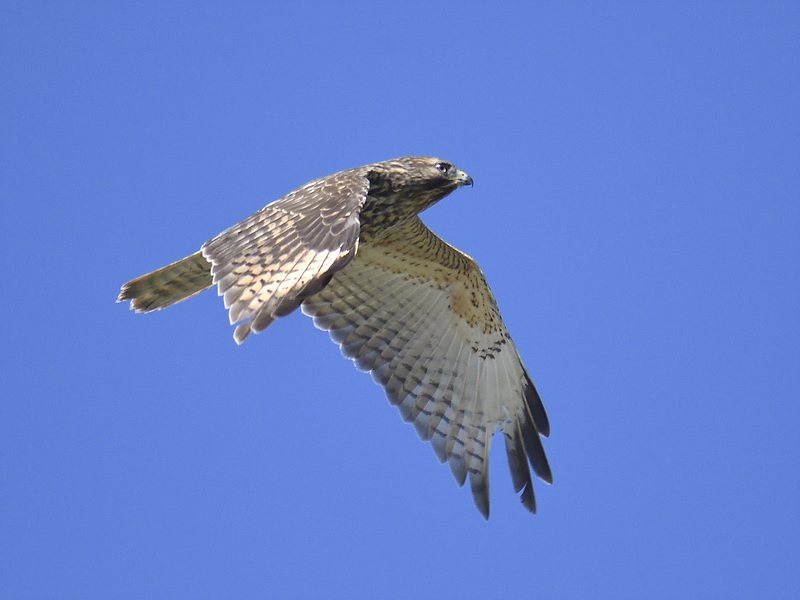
x: 168, y: 285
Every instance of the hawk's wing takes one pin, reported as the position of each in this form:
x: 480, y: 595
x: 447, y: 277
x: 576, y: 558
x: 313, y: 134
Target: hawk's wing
x: 265, y: 265
x: 419, y: 315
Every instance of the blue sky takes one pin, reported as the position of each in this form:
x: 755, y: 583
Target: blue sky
x: 635, y: 210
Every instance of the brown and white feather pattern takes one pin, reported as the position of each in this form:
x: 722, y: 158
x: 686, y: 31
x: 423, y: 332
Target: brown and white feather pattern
x: 168, y: 285
x: 419, y: 315
x: 403, y: 304
x: 265, y: 265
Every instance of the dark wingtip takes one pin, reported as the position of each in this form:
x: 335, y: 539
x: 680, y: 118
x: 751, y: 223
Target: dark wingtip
x: 534, y: 449
x: 483, y: 508
x: 479, y: 482
x: 518, y: 464
x: 536, y: 407
x: 528, y: 499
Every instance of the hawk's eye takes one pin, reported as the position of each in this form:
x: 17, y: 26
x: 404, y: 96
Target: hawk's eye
x: 443, y: 166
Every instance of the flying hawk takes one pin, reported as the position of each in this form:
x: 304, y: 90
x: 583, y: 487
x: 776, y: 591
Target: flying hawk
x: 350, y: 250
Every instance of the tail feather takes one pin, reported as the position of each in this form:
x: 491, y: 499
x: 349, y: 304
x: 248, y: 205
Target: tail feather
x: 168, y: 285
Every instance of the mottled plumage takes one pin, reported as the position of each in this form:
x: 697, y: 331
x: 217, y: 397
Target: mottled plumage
x: 403, y: 304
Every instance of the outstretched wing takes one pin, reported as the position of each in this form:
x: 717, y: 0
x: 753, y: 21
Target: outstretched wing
x: 419, y: 315
x: 265, y: 265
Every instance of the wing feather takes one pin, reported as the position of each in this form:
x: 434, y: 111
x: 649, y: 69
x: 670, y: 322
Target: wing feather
x: 383, y: 333
x: 418, y: 314
x: 267, y: 264
x: 387, y: 326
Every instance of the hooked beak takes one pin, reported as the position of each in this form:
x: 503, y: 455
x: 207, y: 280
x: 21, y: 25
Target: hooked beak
x: 464, y: 179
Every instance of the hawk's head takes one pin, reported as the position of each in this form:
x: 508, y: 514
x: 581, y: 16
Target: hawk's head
x: 423, y: 180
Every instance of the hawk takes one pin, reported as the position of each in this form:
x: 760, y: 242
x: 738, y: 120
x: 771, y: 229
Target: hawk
x: 415, y: 312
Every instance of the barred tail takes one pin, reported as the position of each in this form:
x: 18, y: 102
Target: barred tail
x: 168, y: 285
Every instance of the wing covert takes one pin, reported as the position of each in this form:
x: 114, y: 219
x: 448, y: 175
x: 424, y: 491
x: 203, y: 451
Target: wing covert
x: 265, y: 265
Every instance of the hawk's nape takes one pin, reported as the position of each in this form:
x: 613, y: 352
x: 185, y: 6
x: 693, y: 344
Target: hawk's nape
x: 403, y: 304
